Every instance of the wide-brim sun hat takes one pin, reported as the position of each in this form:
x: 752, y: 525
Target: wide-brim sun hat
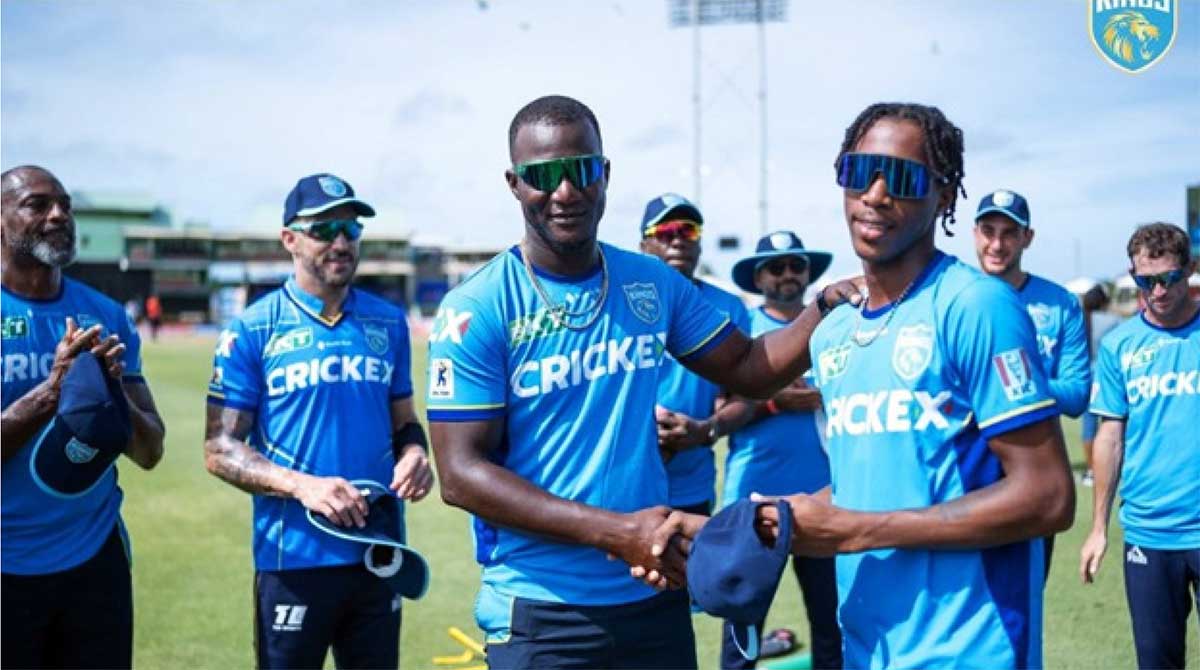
x: 775, y: 245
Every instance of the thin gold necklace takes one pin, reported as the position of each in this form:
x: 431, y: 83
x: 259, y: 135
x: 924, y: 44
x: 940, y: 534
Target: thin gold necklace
x: 858, y: 338
x: 559, y: 313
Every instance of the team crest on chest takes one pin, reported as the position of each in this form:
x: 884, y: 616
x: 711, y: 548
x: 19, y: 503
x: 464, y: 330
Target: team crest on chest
x: 643, y: 300
x: 913, y: 350
x: 377, y: 337
x: 1040, y: 314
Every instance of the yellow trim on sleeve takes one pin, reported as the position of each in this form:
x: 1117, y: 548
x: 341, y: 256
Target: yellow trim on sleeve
x: 215, y: 394
x: 706, y: 340
x: 1017, y: 412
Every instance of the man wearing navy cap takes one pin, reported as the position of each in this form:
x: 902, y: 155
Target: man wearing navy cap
x: 688, y: 424
x: 67, y: 592
x: 1002, y: 234
x: 311, y: 389
x: 775, y: 447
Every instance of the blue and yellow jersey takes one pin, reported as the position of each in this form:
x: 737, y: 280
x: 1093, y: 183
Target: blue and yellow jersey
x: 776, y: 455
x: 910, y: 404
x: 321, y: 391
x: 1062, y: 341
x: 42, y: 531
x: 691, y: 474
x: 1150, y: 378
x: 578, y: 405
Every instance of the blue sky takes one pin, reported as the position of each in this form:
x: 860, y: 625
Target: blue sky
x: 216, y: 108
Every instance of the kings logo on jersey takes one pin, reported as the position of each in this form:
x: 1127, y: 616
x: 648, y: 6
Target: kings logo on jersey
x: 1013, y: 370
x: 912, y: 351
x: 643, y: 300
x: 377, y: 337
x: 1132, y: 35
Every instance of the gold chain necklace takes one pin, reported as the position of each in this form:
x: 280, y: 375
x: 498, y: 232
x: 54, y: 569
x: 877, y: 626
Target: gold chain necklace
x: 858, y: 338
x: 559, y: 313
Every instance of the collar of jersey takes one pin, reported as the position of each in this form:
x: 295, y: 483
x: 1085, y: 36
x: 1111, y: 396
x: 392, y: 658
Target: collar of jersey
x: 562, y: 279
x: 763, y: 309
x: 312, y: 305
x: 916, y: 286
x: 62, y: 288
x: 1190, y: 322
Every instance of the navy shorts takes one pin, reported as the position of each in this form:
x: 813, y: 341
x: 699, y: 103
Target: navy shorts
x: 1161, y: 586
x: 300, y: 614
x: 77, y: 618
x: 651, y: 633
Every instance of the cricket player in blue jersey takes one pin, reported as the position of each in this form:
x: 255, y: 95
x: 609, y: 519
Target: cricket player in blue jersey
x: 544, y: 369
x: 688, y: 423
x: 1003, y: 232
x: 775, y: 446
x: 67, y: 588
x: 1148, y: 373
x: 946, y: 458
x: 311, y: 389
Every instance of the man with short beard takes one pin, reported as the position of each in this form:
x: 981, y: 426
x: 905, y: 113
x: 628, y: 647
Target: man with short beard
x: 67, y: 591
x: 1148, y: 398
x: 316, y: 377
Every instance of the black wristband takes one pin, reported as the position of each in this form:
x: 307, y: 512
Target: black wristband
x: 822, y: 306
x: 409, y: 433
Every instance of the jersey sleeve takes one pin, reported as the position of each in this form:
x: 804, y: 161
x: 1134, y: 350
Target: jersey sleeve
x: 133, y: 348
x: 992, y: 345
x: 236, y: 380
x: 1110, y: 400
x: 1071, y: 382
x: 402, y: 386
x: 695, y: 326
x: 468, y: 357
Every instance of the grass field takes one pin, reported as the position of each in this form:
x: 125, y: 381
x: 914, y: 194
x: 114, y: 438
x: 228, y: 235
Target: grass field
x: 193, y: 572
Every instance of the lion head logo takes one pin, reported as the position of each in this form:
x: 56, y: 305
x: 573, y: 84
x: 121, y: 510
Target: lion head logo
x: 1130, y: 37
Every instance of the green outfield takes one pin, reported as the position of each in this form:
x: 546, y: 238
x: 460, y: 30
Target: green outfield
x: 193, y: 574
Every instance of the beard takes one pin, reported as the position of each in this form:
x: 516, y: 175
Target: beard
x: 55, y: 250
x: 326, y: 274
x: 559, y: 247
x: 787, y: 293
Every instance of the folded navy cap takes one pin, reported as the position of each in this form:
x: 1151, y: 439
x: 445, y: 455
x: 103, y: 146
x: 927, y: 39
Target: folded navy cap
x: 387, y: 554
x: 321, y: 192
x: 731, y: 574
x: 1009, y: 203
x: 88, y: 432
x: 658, y: 209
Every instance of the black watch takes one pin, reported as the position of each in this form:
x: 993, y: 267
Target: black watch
x: 823, y: 307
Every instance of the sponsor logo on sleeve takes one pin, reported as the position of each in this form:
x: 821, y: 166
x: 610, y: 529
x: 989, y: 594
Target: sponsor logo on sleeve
x: 1013, y: 370
x: 441, y: 378
x: 449, y: 325
x: 225, y: 343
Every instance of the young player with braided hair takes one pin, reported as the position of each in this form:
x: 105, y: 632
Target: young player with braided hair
x: 946, y: 461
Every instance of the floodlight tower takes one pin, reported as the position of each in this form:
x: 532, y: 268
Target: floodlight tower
x: 697, y: 13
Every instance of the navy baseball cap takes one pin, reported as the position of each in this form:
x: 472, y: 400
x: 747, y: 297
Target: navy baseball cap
x: 89, y: 431
x: 779, y: 243
x: 320, y: 192
x: 1009, y: 203
x: 387, y: 555
x: 667, y: 203
x: 733, y: 575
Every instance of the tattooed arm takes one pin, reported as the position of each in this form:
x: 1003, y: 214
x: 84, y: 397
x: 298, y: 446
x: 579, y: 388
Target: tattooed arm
x: 1034, y: 498
x: 227, y: 456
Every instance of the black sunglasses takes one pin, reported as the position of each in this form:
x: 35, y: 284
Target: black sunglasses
x: 797, y: 264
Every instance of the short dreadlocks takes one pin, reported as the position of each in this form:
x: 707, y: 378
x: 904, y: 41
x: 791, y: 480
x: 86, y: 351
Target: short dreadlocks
x: 943, y: 144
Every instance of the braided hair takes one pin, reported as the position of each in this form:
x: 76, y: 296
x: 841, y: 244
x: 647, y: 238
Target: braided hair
x: 943, y: 144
